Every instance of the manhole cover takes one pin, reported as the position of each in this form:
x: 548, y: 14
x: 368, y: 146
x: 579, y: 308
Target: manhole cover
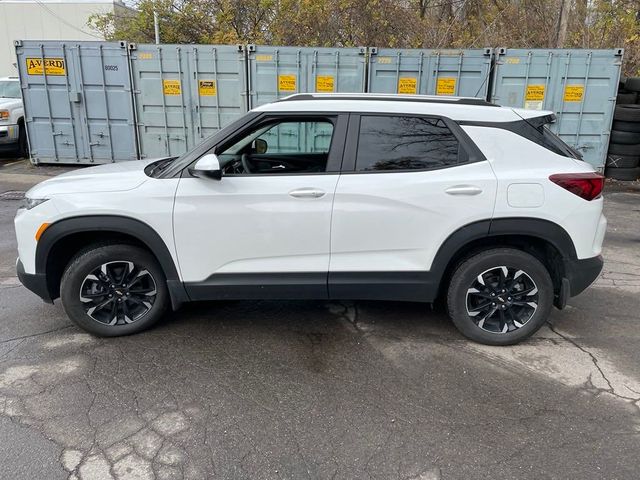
x: 12, y: 195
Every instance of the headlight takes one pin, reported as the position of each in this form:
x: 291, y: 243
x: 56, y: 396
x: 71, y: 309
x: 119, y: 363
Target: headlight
x: 4, y: 114
x: 29, y: 203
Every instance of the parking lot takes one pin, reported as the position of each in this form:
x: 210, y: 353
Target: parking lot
x: 343, y: 390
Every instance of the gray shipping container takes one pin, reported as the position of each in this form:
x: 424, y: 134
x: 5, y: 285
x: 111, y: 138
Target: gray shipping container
x: 184, y: 93
x: 430, y: 72
x: 276, y: 72
x: 77, y: 99
x: 578, y: 85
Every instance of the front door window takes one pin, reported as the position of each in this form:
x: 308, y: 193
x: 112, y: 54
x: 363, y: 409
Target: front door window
x: 280, y: 147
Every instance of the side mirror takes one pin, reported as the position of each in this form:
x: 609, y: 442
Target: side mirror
x: 207, y: 167
x: 261, y: 146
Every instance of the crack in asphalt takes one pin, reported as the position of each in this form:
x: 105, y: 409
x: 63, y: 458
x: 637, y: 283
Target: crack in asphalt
x: 24, y: 337
x: 610, y: 390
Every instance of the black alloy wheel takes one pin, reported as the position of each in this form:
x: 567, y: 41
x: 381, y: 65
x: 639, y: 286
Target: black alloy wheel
x: 118, y: 292
x: 502, y: 299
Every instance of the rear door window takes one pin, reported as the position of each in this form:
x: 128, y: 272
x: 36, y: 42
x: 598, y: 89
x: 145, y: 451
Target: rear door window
x: 393, y: 143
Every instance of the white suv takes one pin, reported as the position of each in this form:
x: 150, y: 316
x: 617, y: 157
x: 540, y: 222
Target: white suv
x: 329, y: 197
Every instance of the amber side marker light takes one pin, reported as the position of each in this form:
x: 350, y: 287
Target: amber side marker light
x: 41, y: 230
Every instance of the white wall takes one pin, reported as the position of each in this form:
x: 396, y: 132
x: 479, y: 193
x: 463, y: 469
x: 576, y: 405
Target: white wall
x: 46, y: 20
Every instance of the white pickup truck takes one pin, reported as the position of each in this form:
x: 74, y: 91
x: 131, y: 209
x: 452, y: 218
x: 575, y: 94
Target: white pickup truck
x: 13, y: 135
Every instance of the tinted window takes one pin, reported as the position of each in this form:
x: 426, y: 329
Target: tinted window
x: 298, y: 137
x: 285, y: 146
x: 405, y: 143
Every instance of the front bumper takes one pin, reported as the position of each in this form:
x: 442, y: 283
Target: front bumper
x: 36, y: 282
x: 9, y: 134
x: 582, y: 273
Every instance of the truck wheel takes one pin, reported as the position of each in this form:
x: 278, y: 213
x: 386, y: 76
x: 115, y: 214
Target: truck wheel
x: 113, y: 290
x: 500, y: 296
x: 23, y: 144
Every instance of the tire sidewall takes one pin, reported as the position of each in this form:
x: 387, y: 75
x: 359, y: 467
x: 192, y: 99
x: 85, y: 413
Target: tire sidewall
x: 23, y: 143
x: 625, y: 174
x: 624, y: 138
x: 622, y: 161
x: 627, y: 113
x: 469, y: 270
x: 85, y: 262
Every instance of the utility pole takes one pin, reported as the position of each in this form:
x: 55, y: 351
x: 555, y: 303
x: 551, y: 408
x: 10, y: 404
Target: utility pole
x: 156, y: 26
x: 563, y: 23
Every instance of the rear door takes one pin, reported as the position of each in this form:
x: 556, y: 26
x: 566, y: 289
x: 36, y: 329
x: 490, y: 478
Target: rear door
x: 408, y: 182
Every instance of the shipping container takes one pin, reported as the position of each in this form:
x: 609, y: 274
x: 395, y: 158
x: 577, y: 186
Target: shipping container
x: 430, y: 72
x: 184, y: 93
x: 578, y: 85
x: 77, y: 101
x: 276, y: 72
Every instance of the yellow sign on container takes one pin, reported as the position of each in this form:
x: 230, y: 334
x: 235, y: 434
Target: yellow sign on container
x: 287, y: 83
x: 446, y: 86
x: 407, y: 85
x: 324, y: 83
x: 535, y: 92
x: 52, y: 66
x: 264, y: 58
x: 573, y: 93
x: 534, y: 97
x: 171, y: 87
x: 207, y: 88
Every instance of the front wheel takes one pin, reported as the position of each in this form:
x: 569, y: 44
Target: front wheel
x: 500, y: 296
x: 23, y: 143
x: 113, y: 290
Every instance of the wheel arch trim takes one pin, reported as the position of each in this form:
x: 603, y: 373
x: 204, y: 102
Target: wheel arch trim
x: 135, y: 228
x: 542, y: 229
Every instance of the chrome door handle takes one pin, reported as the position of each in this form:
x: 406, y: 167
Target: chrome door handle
x: 463, y: 190
x: 307, y: 192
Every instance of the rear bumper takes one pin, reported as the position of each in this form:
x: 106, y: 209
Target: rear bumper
x: 582, y: 273
x: 36, y: 282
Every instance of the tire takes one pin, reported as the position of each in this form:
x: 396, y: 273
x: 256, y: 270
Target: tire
x: 621, y: 83
x: 622, y: 126
x: 489, y: 329
x: 626, y: 98
x: 632, y: 84
x: 619, y: 149
x: 625, y: 138
x: 23, y: 144
x: 626, y: 174
x: 134, y: 311
x: 622, y: 161
x: 627, y: 113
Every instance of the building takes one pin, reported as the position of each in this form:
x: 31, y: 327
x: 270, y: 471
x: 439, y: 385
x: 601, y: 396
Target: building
x: 48, y: 20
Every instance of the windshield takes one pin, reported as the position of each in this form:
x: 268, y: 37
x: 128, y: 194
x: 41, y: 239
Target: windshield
x: 9, y: 89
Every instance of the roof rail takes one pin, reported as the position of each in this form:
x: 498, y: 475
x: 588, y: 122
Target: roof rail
x: 388, y: 97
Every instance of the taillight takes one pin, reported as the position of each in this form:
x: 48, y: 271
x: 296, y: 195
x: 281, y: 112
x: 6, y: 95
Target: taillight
x: 585, y: 185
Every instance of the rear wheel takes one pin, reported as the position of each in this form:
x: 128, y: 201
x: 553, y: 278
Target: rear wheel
x: 114, y: 290
x: 500, y: 296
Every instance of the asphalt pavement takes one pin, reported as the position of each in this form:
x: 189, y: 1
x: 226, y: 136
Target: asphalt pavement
x: 340, y: 390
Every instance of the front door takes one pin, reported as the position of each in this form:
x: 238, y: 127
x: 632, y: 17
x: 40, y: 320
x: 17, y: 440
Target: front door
x: 264, y: 228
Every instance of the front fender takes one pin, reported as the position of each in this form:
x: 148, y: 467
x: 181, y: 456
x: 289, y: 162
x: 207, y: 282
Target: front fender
x: 137, y: 229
